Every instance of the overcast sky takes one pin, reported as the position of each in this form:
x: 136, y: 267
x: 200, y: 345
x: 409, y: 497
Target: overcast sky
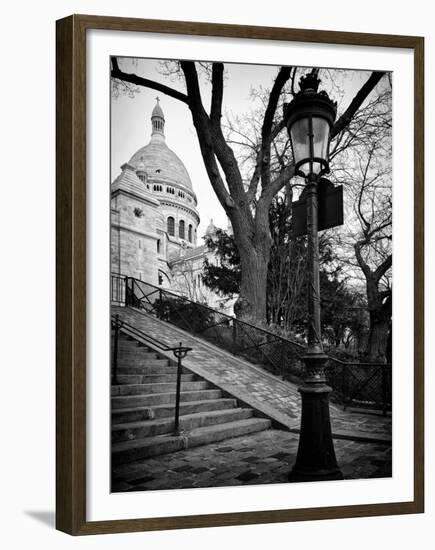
x: 131, y: 123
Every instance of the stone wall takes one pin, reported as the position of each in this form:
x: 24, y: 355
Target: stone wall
x: 134, y: 238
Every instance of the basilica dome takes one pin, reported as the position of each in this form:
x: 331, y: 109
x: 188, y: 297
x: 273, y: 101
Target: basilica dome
x: 154, y: 211
x: 160, y: 163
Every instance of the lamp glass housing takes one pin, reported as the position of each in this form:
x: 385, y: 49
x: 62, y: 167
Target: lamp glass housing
x: 310, y: 143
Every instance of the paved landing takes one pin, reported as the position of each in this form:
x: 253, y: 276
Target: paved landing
x: 253, y: 385
x: 265, y: 457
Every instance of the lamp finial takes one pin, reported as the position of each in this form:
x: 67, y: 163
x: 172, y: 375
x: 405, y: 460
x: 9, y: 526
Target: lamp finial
x: 310, y: 81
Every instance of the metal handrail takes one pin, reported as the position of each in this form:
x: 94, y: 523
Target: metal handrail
x: 260, y: 329
x: 240, y: 324
x: 179, y: 351
x: 353, y: 381
x: 229, y: 317
x: 129, y: 328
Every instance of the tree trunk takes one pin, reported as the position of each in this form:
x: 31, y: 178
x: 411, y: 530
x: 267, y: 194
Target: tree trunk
x: 251, y: 303
x: 252, y: 237
x: 378, y: 338
x: 380, y: 319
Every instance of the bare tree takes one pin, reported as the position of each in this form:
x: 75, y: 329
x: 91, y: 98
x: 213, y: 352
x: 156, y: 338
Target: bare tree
x: 287, y: 267
x: 186, y: 281
x: 246, y: 203
x: 371, y: 241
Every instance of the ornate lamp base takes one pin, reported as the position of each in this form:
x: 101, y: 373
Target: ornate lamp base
x: 316, y: 459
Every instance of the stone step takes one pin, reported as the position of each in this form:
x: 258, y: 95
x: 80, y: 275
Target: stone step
x: 134, y: 349
x: 124, y: 361
x: 162, y: 387
x: 153, y: 378
x: 128, y: 401
x: 129, y: 451
x: 149, y: 428
x: 150, y: 370
x: 125, y: 343
x: 168, y: 410
x: 137, y: 352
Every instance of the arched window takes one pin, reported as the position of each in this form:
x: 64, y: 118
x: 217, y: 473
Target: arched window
x: 181, y: 229
x: 171, y: 226
x: 189, y: 235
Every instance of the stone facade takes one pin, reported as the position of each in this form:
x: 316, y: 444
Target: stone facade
x: 187, y: 268
x: 154, y: 220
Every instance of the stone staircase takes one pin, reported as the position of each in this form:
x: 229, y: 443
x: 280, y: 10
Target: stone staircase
x: 143, y: 407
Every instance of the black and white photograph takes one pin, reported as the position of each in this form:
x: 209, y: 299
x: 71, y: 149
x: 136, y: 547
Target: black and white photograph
x: 251, y: 274
x: 214, y: 301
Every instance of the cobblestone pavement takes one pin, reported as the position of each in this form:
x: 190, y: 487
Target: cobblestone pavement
x: 265, y: 457
x: 243, y: 379
x: 348, y: 421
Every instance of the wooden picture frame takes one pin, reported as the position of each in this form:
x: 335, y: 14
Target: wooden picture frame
x: 71, y: 273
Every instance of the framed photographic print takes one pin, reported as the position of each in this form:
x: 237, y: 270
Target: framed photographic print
x: 233, y: 206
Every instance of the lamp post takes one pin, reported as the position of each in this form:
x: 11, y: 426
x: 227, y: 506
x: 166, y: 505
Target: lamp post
x: 309, y: 118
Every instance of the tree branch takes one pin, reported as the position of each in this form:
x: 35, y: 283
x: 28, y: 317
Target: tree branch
x: 384, y: 267
x: 202, y: 125
x: 222, y: 150
x: 278, y: 183
x: 356, y: 103
x: 217, y: 81
x: 253, y: 184
x: 365, y: 172
x: 266, y: 129
x: 140, y: 81
x: 362, y: 264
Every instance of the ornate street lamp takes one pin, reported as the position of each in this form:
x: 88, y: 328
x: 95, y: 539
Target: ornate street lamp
x: 309, y: 118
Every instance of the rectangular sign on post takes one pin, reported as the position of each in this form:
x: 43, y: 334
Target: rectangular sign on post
x: 330, y: 209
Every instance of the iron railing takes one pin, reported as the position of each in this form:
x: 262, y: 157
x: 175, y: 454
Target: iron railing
x: 364, y: 385
x: 277, y: 354
x: 117, y: 290
x: 359, y: 384
x: 179, y: 351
